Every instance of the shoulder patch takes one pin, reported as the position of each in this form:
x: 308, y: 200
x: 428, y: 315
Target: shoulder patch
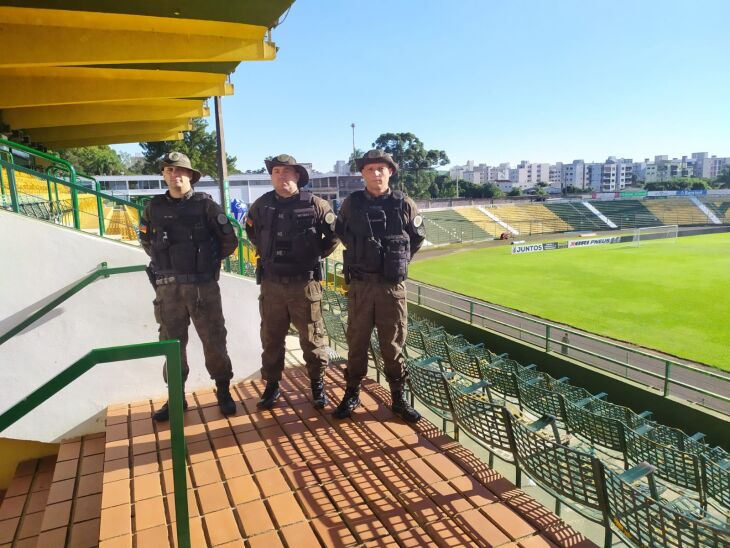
x: 417, y: 221
x: 329, y: 218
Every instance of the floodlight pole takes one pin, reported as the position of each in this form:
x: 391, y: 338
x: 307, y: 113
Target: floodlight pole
x: 221, y: 159
x: 353, y: 139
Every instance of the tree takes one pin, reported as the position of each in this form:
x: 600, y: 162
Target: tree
x: 133, y: 165
x: 723, y: 180
x: 98, y: 160
x: 515, y: 192
x: 198, y: 144
x: 357, y: 153
x: 413, y: 159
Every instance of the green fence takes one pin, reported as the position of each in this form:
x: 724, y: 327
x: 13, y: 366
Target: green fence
x: 60, y: 195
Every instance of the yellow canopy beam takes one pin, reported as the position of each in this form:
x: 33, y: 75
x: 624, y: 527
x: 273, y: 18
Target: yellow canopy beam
x: 98, y: 113
x: 117, y: 140
x: 41, y: 37
x: 42, y: 86
x: 90, y: 131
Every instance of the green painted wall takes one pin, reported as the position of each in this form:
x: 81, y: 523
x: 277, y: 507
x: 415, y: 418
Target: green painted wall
x: 670, y: 411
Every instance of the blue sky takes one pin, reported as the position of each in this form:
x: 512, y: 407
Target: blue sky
x: 489, y: 81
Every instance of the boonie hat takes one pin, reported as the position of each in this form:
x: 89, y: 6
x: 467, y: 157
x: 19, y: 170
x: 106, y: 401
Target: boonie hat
x: 288, y: 160
x: 178, y: 159
x: 374, y: 156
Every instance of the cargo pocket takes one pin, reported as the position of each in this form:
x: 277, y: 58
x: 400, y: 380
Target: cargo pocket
x: 313, y: 292
x: 398, y: 292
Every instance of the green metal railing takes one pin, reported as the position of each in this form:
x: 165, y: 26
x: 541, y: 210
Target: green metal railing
x: 171, y: 351
x: 59, y: 173
x: 102, y: 271
x: 464, y: 309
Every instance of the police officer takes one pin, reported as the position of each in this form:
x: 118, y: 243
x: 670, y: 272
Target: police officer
x: 381, y: 230
x: 292, y: 231
x: 187, y: 235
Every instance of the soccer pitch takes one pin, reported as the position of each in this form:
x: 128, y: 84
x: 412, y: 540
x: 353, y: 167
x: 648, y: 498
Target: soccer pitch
x: 671, y: 295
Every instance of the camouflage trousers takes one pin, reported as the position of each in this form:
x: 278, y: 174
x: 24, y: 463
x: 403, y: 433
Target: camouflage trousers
x: 175, y: 305
x: 298, y: 303
x: 382, y: 305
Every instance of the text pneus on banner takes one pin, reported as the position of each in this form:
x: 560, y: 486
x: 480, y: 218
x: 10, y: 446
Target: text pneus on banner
x: 593, y: 241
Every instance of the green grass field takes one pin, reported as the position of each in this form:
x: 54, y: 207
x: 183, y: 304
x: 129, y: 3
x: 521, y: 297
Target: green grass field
x: 670, y: 295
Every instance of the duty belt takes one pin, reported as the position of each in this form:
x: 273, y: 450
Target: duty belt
x: 184, y: 279
x: 304, y: 277
x: 368, y: 276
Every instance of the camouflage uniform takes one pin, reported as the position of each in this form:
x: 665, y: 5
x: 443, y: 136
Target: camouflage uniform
x: 373, y: 300
x: 381, y: 230
x: 291, y: 236
x: 182, y: 296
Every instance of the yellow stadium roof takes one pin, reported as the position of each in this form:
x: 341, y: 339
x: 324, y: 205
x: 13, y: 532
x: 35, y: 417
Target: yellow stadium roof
x: 86, y: 72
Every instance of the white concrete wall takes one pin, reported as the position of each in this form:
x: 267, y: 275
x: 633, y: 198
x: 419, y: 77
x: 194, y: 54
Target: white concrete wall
x: 38, y: 259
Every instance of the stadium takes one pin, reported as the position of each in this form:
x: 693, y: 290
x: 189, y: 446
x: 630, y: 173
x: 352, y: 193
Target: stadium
x: 569, y: 355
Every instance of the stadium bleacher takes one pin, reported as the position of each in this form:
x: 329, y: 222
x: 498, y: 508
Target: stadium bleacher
x: 448, y: 226
x: 627, y: 213
x: 530, y: 218
x: 481, y: 220
x: 605, y: 461
x: 721, y: 208
x: 676, y: 211
x: 576, y: 215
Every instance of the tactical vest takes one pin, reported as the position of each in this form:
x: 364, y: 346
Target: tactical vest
x: 376, y: 239
x: 183, y: 246
x: 289, y: 242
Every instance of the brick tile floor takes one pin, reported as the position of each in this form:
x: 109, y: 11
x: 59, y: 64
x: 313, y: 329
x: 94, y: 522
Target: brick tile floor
x: 294, y: 476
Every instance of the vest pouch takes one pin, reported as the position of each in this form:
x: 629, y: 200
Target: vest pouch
x: 371, y: 256
x: 207, y: 258
x: 395, y: 260
x: 183, y: 257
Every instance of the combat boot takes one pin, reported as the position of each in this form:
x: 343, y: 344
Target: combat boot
x: 402, y: 408
x: 350, y: 402
x: 225, y: 401
x: 163, y: 413
x: 270, y: 395
x: 319, y: 398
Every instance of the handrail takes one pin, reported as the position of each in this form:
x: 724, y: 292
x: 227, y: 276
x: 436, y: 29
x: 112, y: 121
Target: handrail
x: 669, y: 364
x: 171, y: 351
x: 50, y: 157
x: 101, y: 271
x: 76, y: 186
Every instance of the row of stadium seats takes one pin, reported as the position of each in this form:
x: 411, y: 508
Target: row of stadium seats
x: 627, y: 213
x: 721, y: 208
x: 673, y: 211
x: 530, y: 218
x: 632, y: 437
x: 600, y: 439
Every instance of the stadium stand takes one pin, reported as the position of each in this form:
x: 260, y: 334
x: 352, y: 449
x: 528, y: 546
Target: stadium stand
x: 721, y: 208
x: 627, y: 213
x: 676, y: 211
x: 576, y: 216
x: 481, y: 220
x: 530, y: 218
x: 446, y: 226
x: 575, y: 445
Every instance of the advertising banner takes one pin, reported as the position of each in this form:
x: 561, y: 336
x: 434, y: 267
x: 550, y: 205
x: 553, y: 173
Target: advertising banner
x: 594, y: 241
x: 526, y: 248
x: 633, y: 193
